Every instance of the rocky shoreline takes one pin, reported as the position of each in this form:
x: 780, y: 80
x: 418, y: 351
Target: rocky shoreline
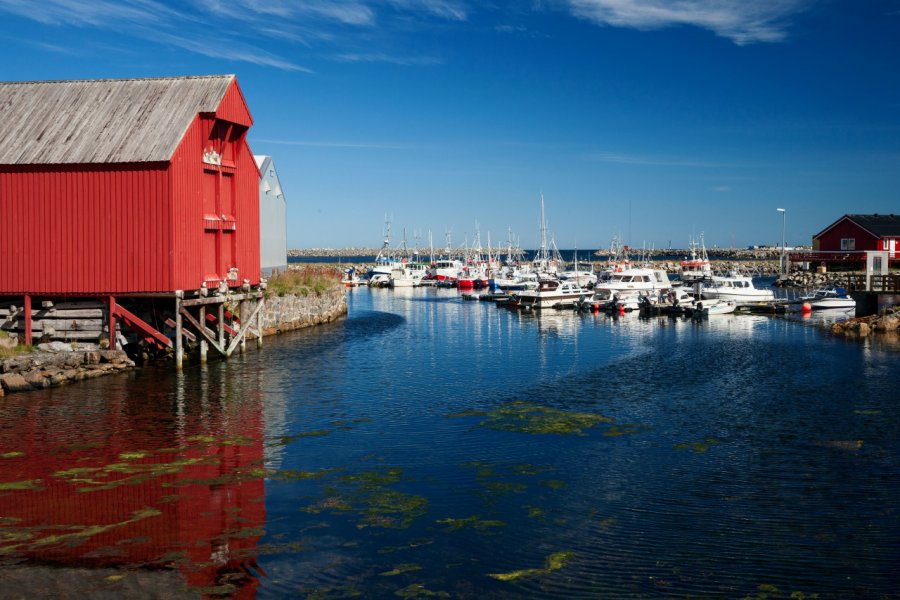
x: 57, y: 364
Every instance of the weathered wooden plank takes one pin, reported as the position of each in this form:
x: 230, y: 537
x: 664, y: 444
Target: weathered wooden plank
x: 59, y: 314
x: 61, y: 324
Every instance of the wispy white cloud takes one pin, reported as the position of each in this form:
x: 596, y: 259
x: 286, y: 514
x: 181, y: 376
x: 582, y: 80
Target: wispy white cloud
x: 261, y: 32
x: 381, y: 57
x: 722, y: 189
x: 96, y: 13
x: 446, y: 9
x: 742, y: 21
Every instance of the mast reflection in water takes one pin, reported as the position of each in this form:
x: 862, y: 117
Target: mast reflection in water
x: 431, y: 447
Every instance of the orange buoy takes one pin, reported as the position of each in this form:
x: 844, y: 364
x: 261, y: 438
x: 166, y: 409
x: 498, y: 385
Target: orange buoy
x: 806, y: 309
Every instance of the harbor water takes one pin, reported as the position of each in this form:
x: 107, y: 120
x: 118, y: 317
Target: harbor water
x: 427, y: 446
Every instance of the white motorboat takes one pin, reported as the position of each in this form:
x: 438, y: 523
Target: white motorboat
x: 738, y: 288
x: 715, y: 307
x: 409, y: 274
x: 551, y: 293
x: 627, y: 283
x: 828, y: 297
x: 580, y: 272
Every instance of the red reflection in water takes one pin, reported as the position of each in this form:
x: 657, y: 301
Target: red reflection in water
x: 136, y: 488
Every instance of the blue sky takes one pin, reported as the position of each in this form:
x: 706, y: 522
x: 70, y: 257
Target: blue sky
x: 654, y: 120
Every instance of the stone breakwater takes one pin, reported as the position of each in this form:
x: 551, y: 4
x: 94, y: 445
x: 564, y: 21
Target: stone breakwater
x: 290, y: 312
x: 47, y: 368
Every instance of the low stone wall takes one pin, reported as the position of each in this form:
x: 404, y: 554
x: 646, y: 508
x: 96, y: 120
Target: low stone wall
x: 289, y: 312
x: 38, y: 370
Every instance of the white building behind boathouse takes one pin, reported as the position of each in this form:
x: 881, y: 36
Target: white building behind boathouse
x: 272, y: 213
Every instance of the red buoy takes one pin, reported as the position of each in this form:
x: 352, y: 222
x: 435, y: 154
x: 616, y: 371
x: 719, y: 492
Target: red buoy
x: 806, y: 308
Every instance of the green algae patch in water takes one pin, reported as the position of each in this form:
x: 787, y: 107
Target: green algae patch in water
x: 291, y: 475
x: 12, y: 454
x: 418, y: 590
x: 607, y: 523
x: 137, y: 455
x: 368, y: 495
x: 401, y: 569
x: 524, y: 417
x: 553, y: 484
x: 79, y: 534
x: 698, y: 447
x: 290, y: 439
x: 624, y: 429
x: 554, y: 562
x: 534, y: 512
x: 26, y: 485
x: 473, y: 522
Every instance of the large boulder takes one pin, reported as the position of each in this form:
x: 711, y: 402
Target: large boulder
x: 13, y: 382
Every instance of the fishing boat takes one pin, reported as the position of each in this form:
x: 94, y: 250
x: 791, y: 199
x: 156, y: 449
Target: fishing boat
x: 738, y: 288
x: 350, y: 278
x: 697, y: 267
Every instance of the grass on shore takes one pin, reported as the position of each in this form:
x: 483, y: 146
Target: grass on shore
x: 15, y: 351
x: 303, y: 281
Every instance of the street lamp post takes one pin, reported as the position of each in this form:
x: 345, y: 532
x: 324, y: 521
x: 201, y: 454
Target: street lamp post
x: 783, y: 212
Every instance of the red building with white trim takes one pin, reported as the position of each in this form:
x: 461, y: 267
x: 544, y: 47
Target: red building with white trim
x: 859, y: 233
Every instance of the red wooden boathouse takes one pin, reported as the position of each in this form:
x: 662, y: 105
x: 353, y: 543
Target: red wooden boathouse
x: 121, y: 187
x: 129, y: 185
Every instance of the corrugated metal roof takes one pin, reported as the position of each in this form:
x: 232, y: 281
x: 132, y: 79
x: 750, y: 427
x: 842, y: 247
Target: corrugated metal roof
x: 102, y: 120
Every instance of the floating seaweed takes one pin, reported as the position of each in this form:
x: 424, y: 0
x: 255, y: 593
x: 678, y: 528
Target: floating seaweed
x: 698, y: 447
x: 553, y: 484
x: 554, y: 562
x: 12, y: 454
x: 524, y: 417
x: 401, y: 569
x: 534, y: 512
x: 28, y: 484
x: 473, y: 522
x: 370, y: 497
x: 418, y: 590
x: 624, y: 429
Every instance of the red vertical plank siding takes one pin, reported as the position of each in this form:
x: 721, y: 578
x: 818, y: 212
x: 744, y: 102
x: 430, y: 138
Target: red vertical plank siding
x: 233, y: 107
x: 103, y: 229
x: 84, y: 229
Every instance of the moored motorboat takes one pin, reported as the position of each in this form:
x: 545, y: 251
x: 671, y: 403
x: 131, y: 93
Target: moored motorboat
x: 550, y: 293
x: 738, y: 288
x: 827, y: 298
